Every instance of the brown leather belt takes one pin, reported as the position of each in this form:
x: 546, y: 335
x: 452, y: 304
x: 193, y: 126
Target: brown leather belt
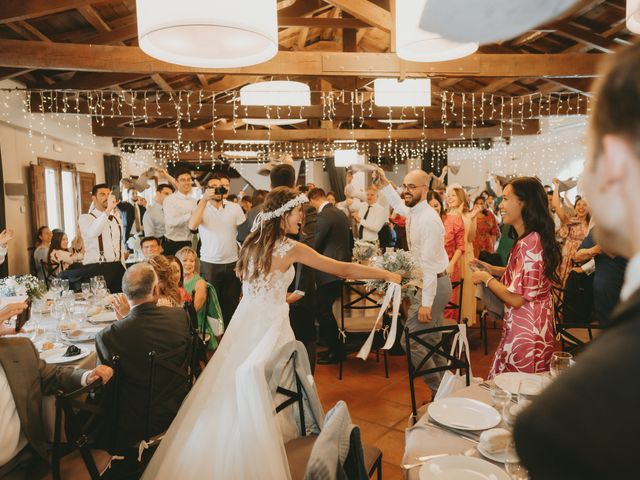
x: 443, y: 274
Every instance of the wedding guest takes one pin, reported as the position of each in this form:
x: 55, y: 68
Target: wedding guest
x: 132, y: 212
x: 101, y: 231
x: 168, y: 285
x: 217, y: 221
x: 453, y: 244
x: 399, y: 223
x: 486, y: 228
x: 246, y: 204
x: 332, y: 239
x: 370, y: 218
x: 60, y: 256
x: 331, y: 198
x: 230, y: 197
x: 43, y: 240
x: 177, y: 271
x: 525, y: 284
x: 150, y: 246
x: 573, y: 230
x: 153, y: 219
x: 425, y: 234
x: 602, y: 386
x: 25, y: 379
x: 458, y: 205
x: 147, y: 327
x: 5, y: 237
x: 178, y: 208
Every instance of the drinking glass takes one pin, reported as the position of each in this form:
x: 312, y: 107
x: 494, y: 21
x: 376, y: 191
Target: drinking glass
x: 64, y: 284
x: 528, y: 390
x: 512, y: 463
x: 560, y: 361
x: 56, y: 287
x: 86, y: 290
x: 499, y: 397
x: 509, y: 413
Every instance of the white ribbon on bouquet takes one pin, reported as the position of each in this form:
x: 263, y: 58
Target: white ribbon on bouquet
x: 394, y: 291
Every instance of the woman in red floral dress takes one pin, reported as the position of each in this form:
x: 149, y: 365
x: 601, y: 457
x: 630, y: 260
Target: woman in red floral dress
x: 487, y: 230
x: 525, y: 284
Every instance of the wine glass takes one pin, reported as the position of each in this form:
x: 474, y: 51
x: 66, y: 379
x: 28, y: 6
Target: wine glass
x: 499, y: 397
x: 64, y: 284
x: 86, y: 290
x: 560, y: 361
x: 512, y: 463
x: 56, y: 287
x: 528, y: 390
x: 509, y: 413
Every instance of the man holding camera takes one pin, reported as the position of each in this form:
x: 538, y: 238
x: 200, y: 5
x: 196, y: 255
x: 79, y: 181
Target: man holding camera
x: 217, y: 222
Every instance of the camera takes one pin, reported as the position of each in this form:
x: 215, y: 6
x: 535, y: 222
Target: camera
x: 220, y: 190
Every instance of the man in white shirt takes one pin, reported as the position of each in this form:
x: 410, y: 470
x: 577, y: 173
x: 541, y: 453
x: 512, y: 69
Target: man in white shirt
x: 217, y: 222
x: 5, y: 238
x: 101, y: 230
x: 24, y: 379
x: 425, y: 235
x: 153, y: 219
x: 178, y: 208
x: 371, y: 217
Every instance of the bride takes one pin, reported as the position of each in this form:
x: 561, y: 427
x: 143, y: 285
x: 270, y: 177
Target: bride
x: 227, y: 426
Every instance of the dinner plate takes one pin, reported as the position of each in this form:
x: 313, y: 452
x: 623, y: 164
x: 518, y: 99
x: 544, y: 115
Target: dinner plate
x: 510, y: 382
x: 82, y: 334
x: 464, y: 413
x: 108, y: 316
x: 461, y: 467
x: 496, y: 457
x: 55, y: 355
x: 39, y: 345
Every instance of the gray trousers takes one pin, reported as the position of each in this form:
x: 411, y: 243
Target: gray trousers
x: 418, y: 352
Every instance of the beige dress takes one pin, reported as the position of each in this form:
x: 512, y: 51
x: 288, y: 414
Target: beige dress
x: 468, y: 309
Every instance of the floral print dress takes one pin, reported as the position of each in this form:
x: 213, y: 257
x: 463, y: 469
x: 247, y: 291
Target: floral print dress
x: 454, y: 240
x: 527, y: 334
x: 573, y: 234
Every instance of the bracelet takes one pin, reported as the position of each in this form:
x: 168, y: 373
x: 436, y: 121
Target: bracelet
x: 488, y: 281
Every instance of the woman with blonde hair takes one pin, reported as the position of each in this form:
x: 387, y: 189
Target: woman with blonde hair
x: 169, y: 286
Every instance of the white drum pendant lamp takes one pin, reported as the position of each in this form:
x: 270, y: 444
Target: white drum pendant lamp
x: 282, y: 93
x: 412, y: 92
x: 417, y: 45
x: 633, y: 16
x: 208, y: 33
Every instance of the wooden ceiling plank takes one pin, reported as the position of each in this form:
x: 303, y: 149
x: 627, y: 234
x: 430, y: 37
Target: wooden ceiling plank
x: 13, y: 11
x: 366, y: 11
x: 204, y: 83
x: 93, y: 17
x: 7, y: 73
x: 116, y: 35
x: 91, y: 81
x: 322, y: 22
x: 585, y: 36
x: 161, y: 82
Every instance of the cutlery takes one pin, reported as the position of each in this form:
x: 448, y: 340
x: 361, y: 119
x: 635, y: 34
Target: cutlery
x: 424, y: 459
x: 466, y: 435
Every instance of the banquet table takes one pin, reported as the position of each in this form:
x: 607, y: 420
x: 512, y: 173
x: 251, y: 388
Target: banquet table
x: 423, y: 439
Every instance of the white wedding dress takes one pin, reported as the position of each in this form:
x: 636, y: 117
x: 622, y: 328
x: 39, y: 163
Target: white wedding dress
x: 227, y: 427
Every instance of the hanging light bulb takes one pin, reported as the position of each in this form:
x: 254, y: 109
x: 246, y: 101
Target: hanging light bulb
x: 633, y: 16
x: 208, y: 33
x: 417, y: 45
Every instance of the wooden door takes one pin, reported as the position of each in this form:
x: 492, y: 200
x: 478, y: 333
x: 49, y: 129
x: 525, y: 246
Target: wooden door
x: 86, y: 182
x: 38, y: 197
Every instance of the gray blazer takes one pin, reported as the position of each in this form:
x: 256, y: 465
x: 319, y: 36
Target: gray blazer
x: 29, y: 379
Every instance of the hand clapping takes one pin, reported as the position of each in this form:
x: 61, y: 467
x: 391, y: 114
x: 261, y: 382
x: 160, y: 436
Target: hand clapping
x: 5, y: 237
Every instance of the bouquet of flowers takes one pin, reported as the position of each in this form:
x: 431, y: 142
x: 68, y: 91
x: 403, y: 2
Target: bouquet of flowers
x: 22, y: 285
x: 402, y: 263
x: 363, y: 251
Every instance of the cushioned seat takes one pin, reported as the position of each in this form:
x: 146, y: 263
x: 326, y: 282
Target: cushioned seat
x: 72, y: 466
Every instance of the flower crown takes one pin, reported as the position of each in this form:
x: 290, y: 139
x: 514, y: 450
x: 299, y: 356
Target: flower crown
x: 266, y: 216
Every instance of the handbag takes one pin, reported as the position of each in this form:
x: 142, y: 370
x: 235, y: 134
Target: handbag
x: 452, y: 381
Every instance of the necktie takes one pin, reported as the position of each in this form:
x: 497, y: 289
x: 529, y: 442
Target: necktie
x: 366, y: 214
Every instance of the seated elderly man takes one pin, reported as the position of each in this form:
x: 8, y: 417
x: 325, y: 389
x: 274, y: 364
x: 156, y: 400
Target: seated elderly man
x: 151, y: 246
x: 144, y: 329
x: 24, y: 379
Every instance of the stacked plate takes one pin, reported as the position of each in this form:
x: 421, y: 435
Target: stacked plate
x: 464, y: 414
x: 460, y: 467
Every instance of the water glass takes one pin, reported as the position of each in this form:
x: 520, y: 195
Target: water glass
x: 64, y: 285
x: 86, y: 290
x: 512, y: 463
x: 560, y: 361
x: 499, y: 397
x: 528, y: 390
x: 56, y: 287
x: 510, y: 412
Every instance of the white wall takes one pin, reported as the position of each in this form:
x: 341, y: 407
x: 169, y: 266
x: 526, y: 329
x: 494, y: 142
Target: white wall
x: 73, y: 143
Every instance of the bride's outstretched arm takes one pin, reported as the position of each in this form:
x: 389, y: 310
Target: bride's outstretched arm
x: 306, y: 255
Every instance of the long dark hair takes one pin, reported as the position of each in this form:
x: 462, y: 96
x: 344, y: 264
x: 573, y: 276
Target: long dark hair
x: 39, y: 235
x: 56, y: 243
x: 257, y: 249
x: 537, y: 218
x: 433, y: 195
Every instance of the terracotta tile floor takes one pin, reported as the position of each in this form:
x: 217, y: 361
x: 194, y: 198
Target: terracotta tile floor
x: 381, y: 406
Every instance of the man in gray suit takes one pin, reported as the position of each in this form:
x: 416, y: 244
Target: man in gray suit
x: 24, y: 380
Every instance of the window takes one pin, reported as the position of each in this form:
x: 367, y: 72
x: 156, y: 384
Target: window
x: 61, y: 193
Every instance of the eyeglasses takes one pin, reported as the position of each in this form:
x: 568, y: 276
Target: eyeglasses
x: 411, y: 186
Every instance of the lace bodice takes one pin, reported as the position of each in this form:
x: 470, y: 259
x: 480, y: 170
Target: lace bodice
x: 272, y: 286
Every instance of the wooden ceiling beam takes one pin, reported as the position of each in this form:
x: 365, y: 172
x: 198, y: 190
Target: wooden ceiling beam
x: 28, y: 31
x: 90, y: 81
x: 93, y: 17
x: 585, y: 36
x: 7, y: 73
x: 322, y: 22
x: 13, y: 11
x: 531, y: 127
x: 116, y: 35
x: 161, y: 82
x: 110, y: 58
x: 366, y: 11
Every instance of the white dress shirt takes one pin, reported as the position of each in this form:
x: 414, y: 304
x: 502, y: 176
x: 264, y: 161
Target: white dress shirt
x: 153, y: 221
x: 177, y: 212
x: 631, y: 278
x: 371, y: 225
x: 218, y: 232
x: 425, y: 234
x: 322, y: 205
x: 96, y: 224
x: 12, y: 440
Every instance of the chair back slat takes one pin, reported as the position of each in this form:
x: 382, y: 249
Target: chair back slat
x: 293, y: 397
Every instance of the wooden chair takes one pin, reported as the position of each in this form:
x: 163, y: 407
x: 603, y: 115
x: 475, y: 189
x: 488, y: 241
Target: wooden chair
x: 441, y: 348
x: 573, y: 336
x: 77, y: 424
x: 299, y: 449
x: 355, y: 304
x: 47, y: 271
